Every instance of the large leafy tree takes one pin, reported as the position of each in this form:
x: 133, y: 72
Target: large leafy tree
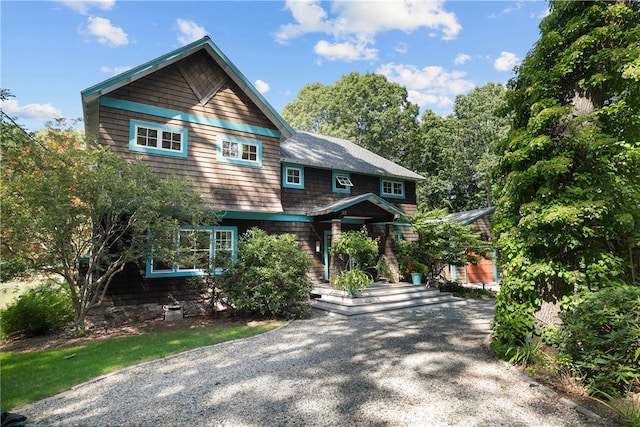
x: 366, y: 109
x: 65, y: 203
x: 568, y: 193
x: 453, y: 151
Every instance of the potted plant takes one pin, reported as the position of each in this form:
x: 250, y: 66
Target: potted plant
x: 416, y: 270
x: 353, y: 281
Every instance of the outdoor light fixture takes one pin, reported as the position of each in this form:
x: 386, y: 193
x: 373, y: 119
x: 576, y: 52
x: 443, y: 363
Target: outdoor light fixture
x: 317, y: 246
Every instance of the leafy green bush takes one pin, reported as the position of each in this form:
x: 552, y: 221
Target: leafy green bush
x: 353, y: 281
x: 269, y: 277
x: 40, y: 310
x: 601, y: 334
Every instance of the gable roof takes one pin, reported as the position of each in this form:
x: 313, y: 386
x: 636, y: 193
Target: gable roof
x: 91, y: 96
x: 467, y: 217
x: 354, y: 200
x: 310, y: 149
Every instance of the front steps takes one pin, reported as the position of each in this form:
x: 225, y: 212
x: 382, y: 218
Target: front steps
x: 380, y: 298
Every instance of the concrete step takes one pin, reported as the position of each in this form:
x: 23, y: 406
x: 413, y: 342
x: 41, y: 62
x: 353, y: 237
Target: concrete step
x: 381, y: 298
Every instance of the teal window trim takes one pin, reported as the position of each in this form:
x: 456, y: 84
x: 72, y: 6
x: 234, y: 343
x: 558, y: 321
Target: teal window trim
x: 175, y: 271
x: 237, y: 159
x: 133, y: 138
x: 334, y: 180
x: 394, y: 185
x: 286, y: 167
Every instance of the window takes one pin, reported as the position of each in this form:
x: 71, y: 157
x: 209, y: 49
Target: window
x: 201, y: 248
x: 292, y: 176
x: 341, y: 182
x: 240, y: 151
x: 392, y: 188
x: 155, y: 138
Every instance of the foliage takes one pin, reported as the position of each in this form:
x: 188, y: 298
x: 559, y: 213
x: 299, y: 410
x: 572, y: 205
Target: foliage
x: 601, y: 334
x: 365, y: 109
x: 453, y: 152
x: 39, y: 311
x: 30, y: 376
x: 465, y: 292
x: 566, y: 185
x: 527, y: 354
x: 356, y: 249
x: 440, y: 243
x: 352, y: 281
x: 626, y: 407
x: 64, y: 199
x: 269, y: 277
x: 383, y: 269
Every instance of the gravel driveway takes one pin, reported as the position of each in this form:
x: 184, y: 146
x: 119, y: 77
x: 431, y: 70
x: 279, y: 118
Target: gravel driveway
x: 420, y: 368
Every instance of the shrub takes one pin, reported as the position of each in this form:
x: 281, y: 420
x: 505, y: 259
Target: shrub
x: 353, y: 281
x: 601, y: 334
x: 39, y: 311
x: 269, y: 277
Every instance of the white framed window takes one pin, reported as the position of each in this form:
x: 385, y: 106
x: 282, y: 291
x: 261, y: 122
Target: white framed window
x: 203, y: 246
x: 239, y: 151
x: 155, y: 138
x: 292, y: 176
x: 341, y: 182
x: 392, y: 188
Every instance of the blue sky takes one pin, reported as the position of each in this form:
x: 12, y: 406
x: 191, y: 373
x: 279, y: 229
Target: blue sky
x: 52, y: 50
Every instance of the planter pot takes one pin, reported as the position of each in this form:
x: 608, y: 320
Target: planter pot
x: 416, y: 278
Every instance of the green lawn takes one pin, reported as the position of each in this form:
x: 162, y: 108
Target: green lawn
x: 26, y: 377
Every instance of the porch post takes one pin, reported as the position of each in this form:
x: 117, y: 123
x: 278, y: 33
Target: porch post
x: 390, y: 254
x: 336, y: 233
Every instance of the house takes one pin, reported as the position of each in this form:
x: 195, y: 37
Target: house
x: 486, y: 270
x: 192, y: 113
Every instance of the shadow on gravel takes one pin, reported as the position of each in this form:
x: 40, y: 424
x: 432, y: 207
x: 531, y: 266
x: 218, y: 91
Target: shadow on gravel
x: 402, y: 369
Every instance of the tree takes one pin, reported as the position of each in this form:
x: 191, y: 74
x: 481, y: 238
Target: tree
x: 567, y: 187
x: 67, y: 203
x: 365, y: 109
x: 453, y: 152
x: 440, y: 243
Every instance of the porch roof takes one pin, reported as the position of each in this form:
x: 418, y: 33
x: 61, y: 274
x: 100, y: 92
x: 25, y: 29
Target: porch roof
x: 355, y: 200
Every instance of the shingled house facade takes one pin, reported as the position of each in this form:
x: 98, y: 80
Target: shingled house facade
x: 192, y: 113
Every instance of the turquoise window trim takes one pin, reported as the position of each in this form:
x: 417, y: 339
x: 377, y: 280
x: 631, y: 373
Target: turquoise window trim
x: 167, y: 113
x: 235, y: 161
x: 392, y: 195
x: 334, y: 188
x: 175, y: 272
x: 134, y: 124
x: 285, y: 168
x: 326, y: 237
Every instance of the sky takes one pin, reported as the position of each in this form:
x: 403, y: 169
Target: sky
x: 52, y: 50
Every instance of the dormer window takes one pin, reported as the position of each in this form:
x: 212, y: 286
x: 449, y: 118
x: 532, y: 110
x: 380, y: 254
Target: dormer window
x: 392, y: 188
x: 341, y: 182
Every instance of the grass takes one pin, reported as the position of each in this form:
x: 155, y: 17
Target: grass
x: 27, y: 377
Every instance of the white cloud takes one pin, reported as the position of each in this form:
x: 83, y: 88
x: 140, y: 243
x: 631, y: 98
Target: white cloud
x: 429, y: 86
x: 356, y: 23
x: 106, y: 33
x: 30, y: 111
x: 461, y: 59
x: 506, y: 61
x: 402, y: 48
x: 189, y: 31
x: 114, y: 70
x: 346, y: 51
x: 262, y: 86
x: 84, y: 6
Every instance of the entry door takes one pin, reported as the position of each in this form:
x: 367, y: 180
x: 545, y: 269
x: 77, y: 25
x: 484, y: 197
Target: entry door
x: 327, y: 243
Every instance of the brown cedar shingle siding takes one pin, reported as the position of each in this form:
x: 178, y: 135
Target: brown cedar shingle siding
x: 318, y: 191
x: 224, y: 186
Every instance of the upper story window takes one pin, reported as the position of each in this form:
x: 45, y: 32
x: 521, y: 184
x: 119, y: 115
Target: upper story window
x: 239, y: 151
x: 203, y: 247
x: 392, y: 188
x: 341, y: 182
x: 292, y: 176
x: 155, y: 138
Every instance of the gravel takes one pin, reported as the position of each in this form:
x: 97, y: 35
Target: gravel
x: 412, y: 368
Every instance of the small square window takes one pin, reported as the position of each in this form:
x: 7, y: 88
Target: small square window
x: 240, y: 151
x: 343, y: 181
